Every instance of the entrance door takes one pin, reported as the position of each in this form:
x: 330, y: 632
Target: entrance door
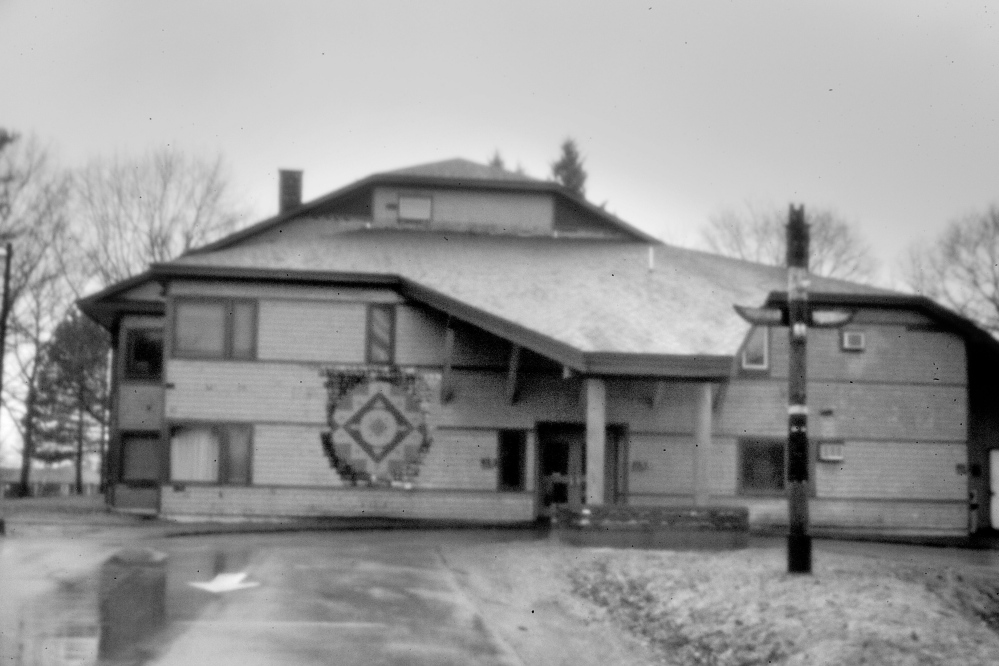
x: 562, y: 468
x: 994, y: 487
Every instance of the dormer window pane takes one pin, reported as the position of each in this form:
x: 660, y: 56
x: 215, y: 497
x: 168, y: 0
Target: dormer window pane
x: 414, y: 209
x: 754, y: 354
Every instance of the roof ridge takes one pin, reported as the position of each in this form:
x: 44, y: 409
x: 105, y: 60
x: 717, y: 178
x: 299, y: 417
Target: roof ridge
x: 460, y: 167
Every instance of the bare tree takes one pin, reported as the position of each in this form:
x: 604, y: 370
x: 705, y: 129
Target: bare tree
x: 961, y: 270
x: 133, y: 212
x: 757, y: 233
x: 34, y: 219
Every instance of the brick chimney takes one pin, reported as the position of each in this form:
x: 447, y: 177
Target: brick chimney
x: 290, y: 190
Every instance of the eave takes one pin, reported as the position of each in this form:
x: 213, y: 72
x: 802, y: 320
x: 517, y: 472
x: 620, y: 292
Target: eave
x: 587, y: 363
x: 949, y: 319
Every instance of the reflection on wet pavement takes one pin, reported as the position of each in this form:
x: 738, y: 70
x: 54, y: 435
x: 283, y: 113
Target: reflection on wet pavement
x: 132, y: 602
x: 48, y: 603
x: 359, y: 597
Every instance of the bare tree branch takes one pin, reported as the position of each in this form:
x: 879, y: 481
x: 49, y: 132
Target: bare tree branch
x: 134, y: 212
x: 961, y: 269
x: 757, y: 233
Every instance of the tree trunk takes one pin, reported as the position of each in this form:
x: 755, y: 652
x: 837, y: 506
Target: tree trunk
x: 79, y: 447
x: 28, y: 451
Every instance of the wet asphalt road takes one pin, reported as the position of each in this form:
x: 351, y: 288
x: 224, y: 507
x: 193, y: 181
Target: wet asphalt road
x: 346, y: 598
x: 307, y: 598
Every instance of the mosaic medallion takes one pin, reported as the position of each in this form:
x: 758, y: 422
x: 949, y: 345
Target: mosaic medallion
x: 378, y: 427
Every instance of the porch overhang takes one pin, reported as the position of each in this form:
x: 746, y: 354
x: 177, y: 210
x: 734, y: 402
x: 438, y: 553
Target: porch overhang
x: 105, y: 308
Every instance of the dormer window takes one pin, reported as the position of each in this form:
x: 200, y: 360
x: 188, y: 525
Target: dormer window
x: 755, y: 354
x: 415, y: 209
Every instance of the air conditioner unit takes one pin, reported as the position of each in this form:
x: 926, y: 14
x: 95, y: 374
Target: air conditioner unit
x: 831, y: 451
x: 853, y: 341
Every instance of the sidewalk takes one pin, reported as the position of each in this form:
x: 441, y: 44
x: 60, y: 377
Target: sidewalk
x: 80, y: 515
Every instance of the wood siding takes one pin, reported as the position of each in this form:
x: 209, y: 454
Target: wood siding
x: 311, y: 331
x: 485, y: 507
x: 456, y: 460
x: 291, y: 455
x: 507, y: 212
x: 900, y: 408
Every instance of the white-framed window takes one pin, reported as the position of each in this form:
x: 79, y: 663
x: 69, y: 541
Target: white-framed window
x: 143, y: 354
x: 211, y: 453
x: 415, y: 208
x: 756, y: 351
x: 214, y: 328
x: 854, y: 341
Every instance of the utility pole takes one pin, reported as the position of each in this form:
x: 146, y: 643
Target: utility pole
x: 799, y: 542
x: 798, y: 315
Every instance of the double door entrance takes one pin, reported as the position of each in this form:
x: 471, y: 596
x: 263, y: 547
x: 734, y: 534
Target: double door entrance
x: 562, y: 466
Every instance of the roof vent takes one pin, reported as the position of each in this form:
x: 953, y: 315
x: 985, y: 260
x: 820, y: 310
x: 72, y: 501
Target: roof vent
x: 289, y: 190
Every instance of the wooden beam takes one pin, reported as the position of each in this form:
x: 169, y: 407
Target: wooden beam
x: 511, y: 375
x: 447, y: 377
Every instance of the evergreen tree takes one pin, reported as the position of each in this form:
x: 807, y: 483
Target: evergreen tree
x: 68, y: 404
x: 568, y: 168
x: 497, y: 161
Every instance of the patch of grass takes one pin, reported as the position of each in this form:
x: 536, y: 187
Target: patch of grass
x: 742, y: 608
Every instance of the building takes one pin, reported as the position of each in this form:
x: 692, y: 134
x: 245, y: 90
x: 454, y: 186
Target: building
x: 456, y: 341
x: 49, y: 481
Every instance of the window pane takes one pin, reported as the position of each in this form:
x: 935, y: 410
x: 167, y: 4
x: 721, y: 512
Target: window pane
x: 755, y: 353
x: 763, y: 467
x: 381, y: 325
x: 243, y: 320
x: 415, y: 209
x: 200, y: 329
x: 194, y: 454
x: 140, y: 458
x: 237, y: 462
x: 144, y: 355
x: 512, y: 445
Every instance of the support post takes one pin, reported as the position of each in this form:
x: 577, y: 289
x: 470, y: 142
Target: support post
x: 702, y: 445
x: 596, y: 439
x: 799, y: 542
x: 511, y: 375
x: 447, y: 377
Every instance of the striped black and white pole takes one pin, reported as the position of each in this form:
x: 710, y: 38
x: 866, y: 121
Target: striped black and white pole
x: 799, y: 542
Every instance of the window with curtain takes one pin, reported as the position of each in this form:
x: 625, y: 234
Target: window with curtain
x: 194, y: 454
x: 215, y: 453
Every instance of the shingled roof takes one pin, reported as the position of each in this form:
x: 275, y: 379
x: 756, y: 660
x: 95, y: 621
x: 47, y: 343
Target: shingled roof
x: 584, y: 296
x: 461, y: 170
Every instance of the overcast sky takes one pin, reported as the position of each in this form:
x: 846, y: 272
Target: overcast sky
x: 886, y: 111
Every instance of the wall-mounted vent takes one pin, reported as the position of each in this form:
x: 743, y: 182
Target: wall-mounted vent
x: 853, y: 341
